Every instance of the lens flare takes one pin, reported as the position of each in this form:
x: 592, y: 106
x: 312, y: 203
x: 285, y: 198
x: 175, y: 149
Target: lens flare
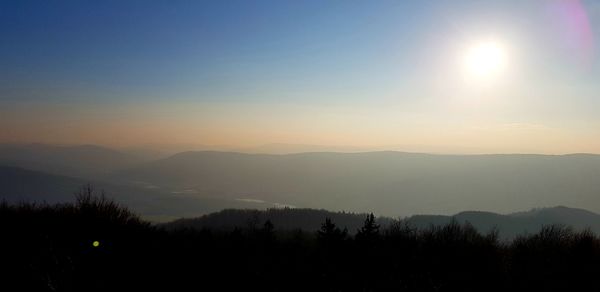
x: 571, y: 23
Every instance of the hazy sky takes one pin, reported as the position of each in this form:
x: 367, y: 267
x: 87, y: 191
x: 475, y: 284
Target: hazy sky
x: 356, y: 73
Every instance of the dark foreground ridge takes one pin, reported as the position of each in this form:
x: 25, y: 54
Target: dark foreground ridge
x: 98, y: 245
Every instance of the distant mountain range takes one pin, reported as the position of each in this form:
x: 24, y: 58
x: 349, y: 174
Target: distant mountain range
x: 387, y: 183
x: 509, y: 226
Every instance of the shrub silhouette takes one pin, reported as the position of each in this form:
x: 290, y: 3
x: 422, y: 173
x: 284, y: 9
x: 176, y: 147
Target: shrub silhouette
x: 50, y: 247
x: 97, y: 206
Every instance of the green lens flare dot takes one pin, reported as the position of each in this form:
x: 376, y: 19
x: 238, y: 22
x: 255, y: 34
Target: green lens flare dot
x: 96, y: 243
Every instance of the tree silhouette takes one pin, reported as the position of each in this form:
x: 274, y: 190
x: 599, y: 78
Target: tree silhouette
x: 331, y: 233
x: 267, y: 233
x: 268, y: 227
x: 370, y: 230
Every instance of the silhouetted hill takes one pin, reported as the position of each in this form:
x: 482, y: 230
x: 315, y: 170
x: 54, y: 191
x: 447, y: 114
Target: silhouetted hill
x: 87, y: 161
x: 515, y: 224
x: 387, y: 183
x: 508, y: 226
x: 282, y: 219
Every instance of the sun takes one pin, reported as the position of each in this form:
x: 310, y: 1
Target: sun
x: 485, y: 61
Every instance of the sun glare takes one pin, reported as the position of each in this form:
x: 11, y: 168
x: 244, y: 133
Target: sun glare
x: 485, y: 61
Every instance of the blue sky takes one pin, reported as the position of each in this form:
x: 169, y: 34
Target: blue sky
x: 391, y: 65
x: 217, y: 50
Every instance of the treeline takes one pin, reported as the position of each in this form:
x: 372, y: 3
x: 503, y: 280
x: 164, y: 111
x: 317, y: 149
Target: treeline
x: 95, y: 244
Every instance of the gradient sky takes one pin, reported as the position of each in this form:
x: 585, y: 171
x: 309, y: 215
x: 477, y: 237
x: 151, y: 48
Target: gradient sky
x: 356, y: 73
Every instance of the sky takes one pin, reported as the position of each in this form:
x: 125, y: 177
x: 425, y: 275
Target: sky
x: 370, y: 74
